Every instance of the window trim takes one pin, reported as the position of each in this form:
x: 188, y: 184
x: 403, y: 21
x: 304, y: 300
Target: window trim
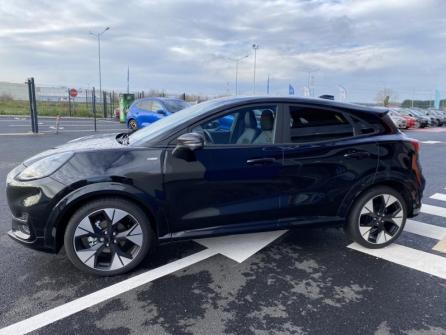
x: 287, y: 118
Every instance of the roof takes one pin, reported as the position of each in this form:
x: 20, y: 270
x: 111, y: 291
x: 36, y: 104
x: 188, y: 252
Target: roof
x: 285, y: 99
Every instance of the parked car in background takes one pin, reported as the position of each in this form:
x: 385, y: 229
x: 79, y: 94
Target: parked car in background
x: 397, y: 119
x: 411, y: 122
x: 422, y: 120
x: 145, y: 111
x: 439, y: 115
x: 433, y: 120
x: 109, y: 198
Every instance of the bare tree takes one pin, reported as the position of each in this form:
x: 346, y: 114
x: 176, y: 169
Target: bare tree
x: 386, y: 97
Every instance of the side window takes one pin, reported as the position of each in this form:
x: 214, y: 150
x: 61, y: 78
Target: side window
x: 156, y: 106
x: 250, y: 125
x: 145, y: 105
x: 309, y: 124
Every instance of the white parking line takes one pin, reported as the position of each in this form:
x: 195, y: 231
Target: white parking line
x: 434, y: 210
x: 408, y: 257
x: 424, y: 229
x: 439, y: 196
x: 75, y: 306
x: 238, y: 248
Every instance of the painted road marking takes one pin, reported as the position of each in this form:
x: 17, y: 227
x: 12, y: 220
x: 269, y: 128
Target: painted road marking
x: 434, y: 210
x: 424, y: 229
x: 440, y: 246
x: 431, y: 142
x: 439, y: 196
x: 412, y: 258
x: 238, y: 247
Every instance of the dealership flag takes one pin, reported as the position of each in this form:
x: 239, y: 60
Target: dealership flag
x: 267, y: 86
x: 290, y: 90
x: 306, y: 91
x: 437, y: 99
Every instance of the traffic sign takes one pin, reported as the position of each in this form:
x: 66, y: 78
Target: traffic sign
x: 73, y: 93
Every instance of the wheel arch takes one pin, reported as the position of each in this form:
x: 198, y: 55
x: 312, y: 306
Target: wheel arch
x: 66, y: 207
x: 395, y: 184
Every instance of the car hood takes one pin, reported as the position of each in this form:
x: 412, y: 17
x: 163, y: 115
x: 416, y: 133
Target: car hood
x: 86, y: 143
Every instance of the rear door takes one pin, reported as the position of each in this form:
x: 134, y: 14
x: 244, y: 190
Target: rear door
x: 327, y: 152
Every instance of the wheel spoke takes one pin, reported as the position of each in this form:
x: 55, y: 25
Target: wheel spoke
x: 373, y: 235
x: 391, y: 228
x: 86, y: 225
x: 133, y: 234
x: 88, y: 256
x: 379, y: 204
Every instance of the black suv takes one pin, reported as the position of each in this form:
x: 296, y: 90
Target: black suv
x: 231, y: 165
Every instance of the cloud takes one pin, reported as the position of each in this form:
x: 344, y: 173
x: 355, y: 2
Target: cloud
x: 191, y: 45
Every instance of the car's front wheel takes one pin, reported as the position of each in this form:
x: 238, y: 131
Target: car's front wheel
x: 133, y: 125
x: 107, y: 237
x: 377, y: 217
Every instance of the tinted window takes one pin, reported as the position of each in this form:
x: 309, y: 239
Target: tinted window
x: 250, y: 125
x: 145, y: 104
x: 309, y: 124
x: 175, y: 105
x: 156, y: 106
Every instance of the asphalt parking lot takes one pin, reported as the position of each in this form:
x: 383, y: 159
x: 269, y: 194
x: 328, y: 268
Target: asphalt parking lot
x: 305, y: 281
x: 21, y: 125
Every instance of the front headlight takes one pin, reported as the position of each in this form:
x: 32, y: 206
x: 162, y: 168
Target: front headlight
x: 44, y: 167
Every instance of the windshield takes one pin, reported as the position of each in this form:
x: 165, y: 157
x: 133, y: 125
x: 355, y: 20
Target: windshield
x: 169, y: 122
x: 175, y: 105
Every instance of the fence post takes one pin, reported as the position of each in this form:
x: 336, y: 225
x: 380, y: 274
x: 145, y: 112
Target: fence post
x: 33, y: 105
x: 86, y: 100
x: 69, y: 103
x: 31, y: 113
x: 104, y: 102
x: 94, y: 107
x: 33, y: 90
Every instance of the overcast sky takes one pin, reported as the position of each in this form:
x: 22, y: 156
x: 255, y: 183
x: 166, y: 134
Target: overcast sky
x: 363, y: 45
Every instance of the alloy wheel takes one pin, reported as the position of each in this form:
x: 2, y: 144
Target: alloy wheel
x: 133, y: 125
x: 380, y: 219
x: 108, y: 239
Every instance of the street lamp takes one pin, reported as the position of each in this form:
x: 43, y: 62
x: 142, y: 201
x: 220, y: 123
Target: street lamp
x: 98, y: 36
x: 255, y: 47
x: 236, y: 71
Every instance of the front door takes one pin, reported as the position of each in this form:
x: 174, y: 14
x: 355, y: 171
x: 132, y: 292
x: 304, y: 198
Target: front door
x: 233, y: 182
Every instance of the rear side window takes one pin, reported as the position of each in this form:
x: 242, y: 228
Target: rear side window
x: 145, y: 105
x: 308, y: 124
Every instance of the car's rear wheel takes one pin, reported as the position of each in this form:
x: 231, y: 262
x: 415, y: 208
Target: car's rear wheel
x: 133, y: 125
x: 108, y: 237
x: 377, y: 217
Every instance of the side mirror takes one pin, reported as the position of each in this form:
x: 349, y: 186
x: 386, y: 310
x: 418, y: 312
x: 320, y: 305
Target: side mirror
x: 190, y: 141
x: 160, y: 111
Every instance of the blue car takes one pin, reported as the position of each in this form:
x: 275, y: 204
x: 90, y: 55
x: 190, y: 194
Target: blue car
x: 148, y: 110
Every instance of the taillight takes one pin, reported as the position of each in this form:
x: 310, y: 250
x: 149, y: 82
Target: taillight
x: 415, y: 145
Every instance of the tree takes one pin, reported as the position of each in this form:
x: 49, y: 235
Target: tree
x: 386, y: 97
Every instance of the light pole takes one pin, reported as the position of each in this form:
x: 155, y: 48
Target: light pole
x: 98, y: 36
x: 236, y: 72
x: 255, y: 47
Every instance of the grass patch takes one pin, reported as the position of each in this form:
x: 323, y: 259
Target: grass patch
x: 50, y: 108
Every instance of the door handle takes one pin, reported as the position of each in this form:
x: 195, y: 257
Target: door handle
x: 357, y: 154
x: 260, y: 161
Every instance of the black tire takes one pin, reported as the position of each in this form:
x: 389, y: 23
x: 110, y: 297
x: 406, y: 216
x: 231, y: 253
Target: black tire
x: 352, y: 226
x: 96, y: 206
x: 133, y: 125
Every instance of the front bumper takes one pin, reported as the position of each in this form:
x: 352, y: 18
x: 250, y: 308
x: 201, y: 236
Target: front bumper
x: 31, y: 204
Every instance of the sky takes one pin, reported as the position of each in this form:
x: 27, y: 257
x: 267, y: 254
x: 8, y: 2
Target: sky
x: 190, y: 46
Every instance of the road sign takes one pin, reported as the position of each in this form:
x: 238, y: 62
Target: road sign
x: 73, y: 93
